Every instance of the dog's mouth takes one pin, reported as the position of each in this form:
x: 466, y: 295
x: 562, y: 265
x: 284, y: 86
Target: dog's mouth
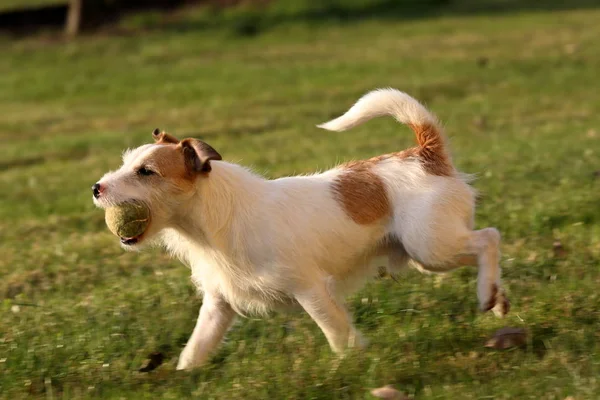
x: 138, y: 221
x: 131, y: 241
x: 134, y: 240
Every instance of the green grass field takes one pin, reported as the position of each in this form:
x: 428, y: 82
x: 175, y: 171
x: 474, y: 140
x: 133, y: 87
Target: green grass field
x: 517, y: 92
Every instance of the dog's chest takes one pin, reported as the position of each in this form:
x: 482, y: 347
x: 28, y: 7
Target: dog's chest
x: 245, y: 291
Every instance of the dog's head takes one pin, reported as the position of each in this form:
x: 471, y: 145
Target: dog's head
x: 163, y: 176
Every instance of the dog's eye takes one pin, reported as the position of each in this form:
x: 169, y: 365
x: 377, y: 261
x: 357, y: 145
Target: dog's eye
x: 145, y: 171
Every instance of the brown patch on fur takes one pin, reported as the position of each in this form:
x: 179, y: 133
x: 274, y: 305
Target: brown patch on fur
x: 505, y: 306
x: 432, y: 150
x: 492, y: 301
x: 180, y: 162
x: 198, y: 155
x: 169, y: 162
x: 408, y: 153
x: 361, y: 192
x: 164, y: 137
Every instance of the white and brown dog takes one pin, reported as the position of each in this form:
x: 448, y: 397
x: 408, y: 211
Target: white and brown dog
x: 255, y: 244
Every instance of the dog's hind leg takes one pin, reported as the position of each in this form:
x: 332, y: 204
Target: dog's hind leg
x: 331, y: 316
x: 216, y: 316
x: 483, y: 251
x: 453, y: 248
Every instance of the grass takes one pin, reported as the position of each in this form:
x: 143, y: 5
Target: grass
x: 517, y: 94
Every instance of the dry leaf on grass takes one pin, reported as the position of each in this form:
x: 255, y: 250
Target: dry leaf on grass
x: 506, y: 338
x: 155, y: 360
x: 389, y: 393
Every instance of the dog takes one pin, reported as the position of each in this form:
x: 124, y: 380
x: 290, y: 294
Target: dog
x: 255, y: 244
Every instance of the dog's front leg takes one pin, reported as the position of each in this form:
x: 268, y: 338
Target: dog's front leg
x: 331, y: 316
x: 216, y: 316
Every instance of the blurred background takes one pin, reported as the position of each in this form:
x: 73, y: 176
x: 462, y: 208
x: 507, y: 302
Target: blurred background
x: 514, y: 82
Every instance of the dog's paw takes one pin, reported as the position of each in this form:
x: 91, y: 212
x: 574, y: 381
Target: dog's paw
x: 502, y: 306
x: 497, y: 302
x: 185, y: 365
x: 188, y: 361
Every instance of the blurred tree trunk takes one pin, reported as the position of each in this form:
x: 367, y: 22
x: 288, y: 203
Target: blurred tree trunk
x: 73, y: 18
x: 83, y: 14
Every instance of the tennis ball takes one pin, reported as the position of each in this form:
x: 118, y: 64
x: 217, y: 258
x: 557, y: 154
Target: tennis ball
x: 128, y: 220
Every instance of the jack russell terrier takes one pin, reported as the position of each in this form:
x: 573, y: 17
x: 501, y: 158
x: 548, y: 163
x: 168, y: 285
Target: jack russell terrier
x: 255, y: 244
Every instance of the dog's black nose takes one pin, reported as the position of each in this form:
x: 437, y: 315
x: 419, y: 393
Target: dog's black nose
x: 96, y: 190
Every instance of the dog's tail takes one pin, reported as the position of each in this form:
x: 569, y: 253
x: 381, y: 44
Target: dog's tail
x: 432, y: 148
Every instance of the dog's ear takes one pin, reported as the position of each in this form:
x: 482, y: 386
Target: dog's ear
x: 198, y: 155
x: 163, y: 137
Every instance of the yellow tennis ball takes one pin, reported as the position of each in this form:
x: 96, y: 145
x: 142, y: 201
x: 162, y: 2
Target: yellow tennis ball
x: 128, y: 220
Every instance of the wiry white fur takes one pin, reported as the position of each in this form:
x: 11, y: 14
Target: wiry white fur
x: 258, y: 257
x: 255, y: 244
x: 379, y: 103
